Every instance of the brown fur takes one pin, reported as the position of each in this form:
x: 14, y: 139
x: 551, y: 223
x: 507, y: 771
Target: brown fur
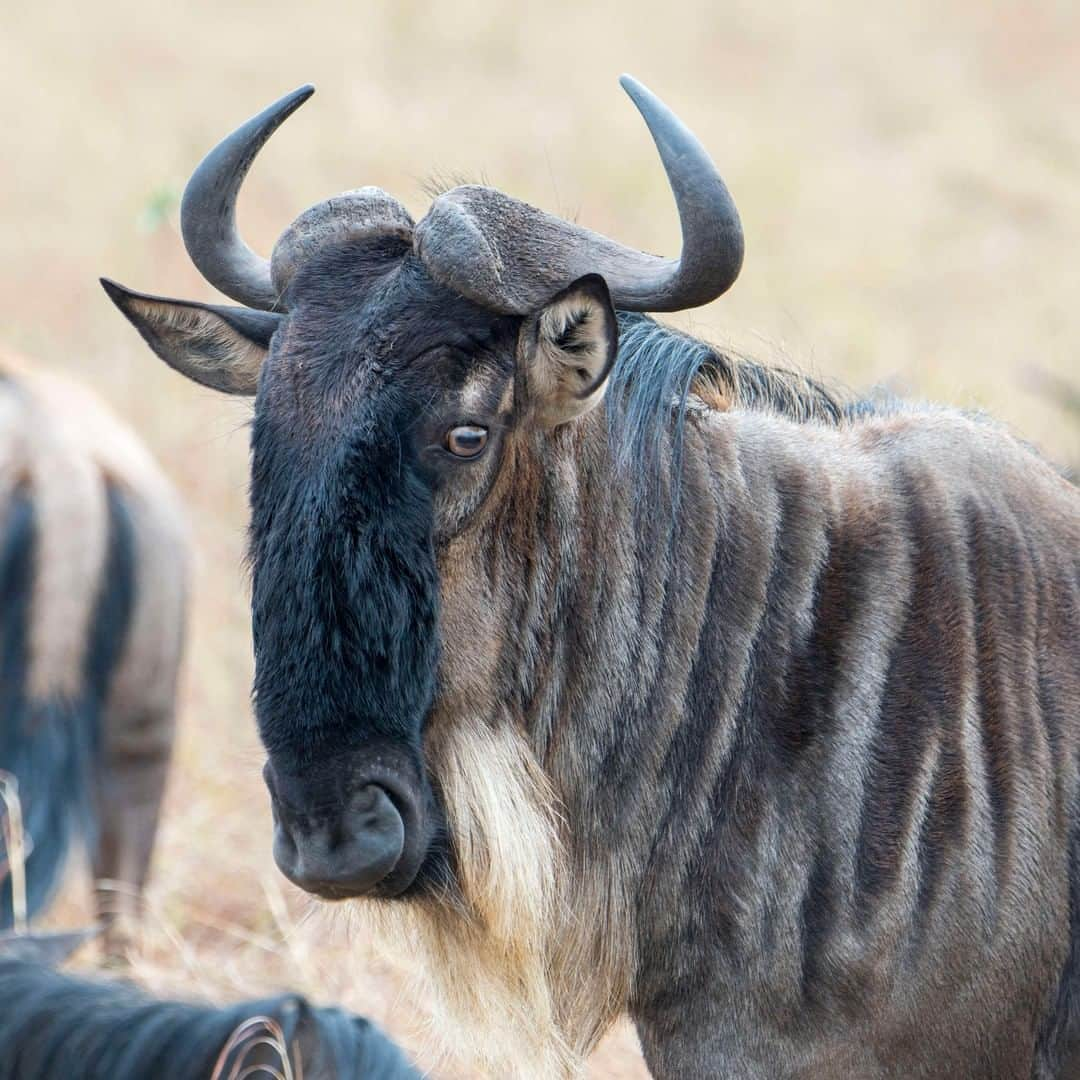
x: 567, y: 970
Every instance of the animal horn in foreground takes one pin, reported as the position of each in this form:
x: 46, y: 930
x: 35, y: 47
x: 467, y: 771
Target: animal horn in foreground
x: 512, y: 257
x: 500, y: 252
x: 208, y: 216
x: 208, y: 208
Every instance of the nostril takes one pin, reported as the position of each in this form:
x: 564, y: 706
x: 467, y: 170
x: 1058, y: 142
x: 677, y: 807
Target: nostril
x: 346, y: 853
x: 366, y: 798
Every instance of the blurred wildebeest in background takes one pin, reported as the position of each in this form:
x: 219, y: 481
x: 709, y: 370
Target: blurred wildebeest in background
x: 93, y: 582
x: 737, y: 704
x: 57, y: 1027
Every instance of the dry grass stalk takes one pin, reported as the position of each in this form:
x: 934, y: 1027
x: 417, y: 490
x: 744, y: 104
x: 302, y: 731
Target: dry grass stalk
x: 15, y: 847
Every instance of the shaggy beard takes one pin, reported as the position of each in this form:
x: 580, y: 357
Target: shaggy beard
x: 507, y: 965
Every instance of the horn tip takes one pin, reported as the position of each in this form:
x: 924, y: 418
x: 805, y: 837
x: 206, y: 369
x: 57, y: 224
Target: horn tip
x: 645, y: 101
x: 664, y: 124
x: 297, y: 97
x: 633, y: 87
x: 285, y: 106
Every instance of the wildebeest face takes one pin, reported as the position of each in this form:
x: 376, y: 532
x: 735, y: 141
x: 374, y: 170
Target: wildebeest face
x: 384, y: 404
x: 379, y: 421
x: 397, y: 368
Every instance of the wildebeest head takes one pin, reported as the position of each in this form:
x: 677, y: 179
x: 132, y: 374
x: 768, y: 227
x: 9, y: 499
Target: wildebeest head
x: 396, y: 368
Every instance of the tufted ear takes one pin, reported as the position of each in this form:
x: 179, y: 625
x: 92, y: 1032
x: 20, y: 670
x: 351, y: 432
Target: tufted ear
x: 220, y: 347
x: 566, y: 351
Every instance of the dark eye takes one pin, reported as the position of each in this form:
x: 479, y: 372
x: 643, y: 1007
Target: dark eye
x: 466, y: 441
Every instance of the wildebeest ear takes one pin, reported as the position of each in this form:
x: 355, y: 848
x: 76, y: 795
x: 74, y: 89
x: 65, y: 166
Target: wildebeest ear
x: 220, y: 347
x: 567, y: 349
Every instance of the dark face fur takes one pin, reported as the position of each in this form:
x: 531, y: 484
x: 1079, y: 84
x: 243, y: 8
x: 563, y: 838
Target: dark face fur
x: 375, y: 381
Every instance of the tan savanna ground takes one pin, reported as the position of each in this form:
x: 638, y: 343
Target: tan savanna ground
x: 908, y: 175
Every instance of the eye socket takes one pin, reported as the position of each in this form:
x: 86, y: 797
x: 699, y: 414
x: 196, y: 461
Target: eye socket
x: 466, y: 441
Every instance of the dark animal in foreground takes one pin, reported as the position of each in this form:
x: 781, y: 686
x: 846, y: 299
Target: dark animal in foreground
x: 93, y: 577
x: 730, y: 703
x: 57, y: 1027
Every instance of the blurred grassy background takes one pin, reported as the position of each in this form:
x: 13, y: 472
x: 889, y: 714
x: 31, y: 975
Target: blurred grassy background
x: 908, y: 175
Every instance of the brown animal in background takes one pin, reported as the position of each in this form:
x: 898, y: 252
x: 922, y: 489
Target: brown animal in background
x: 93, y: 583
x: 620, y: 675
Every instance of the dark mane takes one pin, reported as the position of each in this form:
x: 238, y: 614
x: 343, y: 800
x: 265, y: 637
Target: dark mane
x: 659, y: 369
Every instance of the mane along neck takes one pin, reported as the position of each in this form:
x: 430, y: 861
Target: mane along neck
x: 660, y: 373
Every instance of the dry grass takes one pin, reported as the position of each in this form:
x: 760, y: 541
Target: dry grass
x: 909, y: 176
x: 14, y: 850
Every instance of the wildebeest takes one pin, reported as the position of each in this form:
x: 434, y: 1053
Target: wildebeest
x: 57, y: 1027
x: 93, y: 580
x: 736, y: 704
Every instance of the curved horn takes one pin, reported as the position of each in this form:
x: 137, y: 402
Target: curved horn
x: 512, y: 257
x: 208, y: 209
